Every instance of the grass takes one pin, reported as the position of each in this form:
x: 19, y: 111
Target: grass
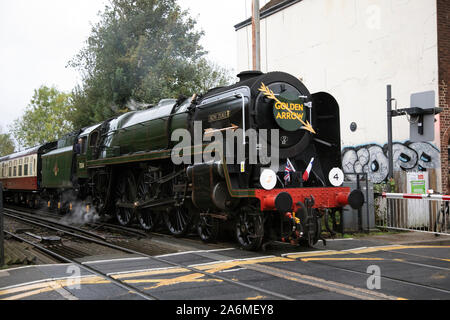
x: 363, y: 234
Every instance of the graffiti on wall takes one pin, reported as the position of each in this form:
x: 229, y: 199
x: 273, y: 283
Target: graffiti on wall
x: 372, y: 158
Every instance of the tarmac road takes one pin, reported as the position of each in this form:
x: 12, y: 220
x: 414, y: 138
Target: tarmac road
x: 371, y: 268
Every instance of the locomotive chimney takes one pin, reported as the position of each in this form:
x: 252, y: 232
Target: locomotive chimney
x: 246, y: 75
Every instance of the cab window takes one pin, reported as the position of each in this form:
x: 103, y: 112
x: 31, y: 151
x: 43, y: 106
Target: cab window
x: 84, y: 145
x: 93, y: 139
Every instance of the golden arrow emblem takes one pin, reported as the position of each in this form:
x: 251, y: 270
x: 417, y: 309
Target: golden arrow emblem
x: 210, y: 131
x: 269, y: 94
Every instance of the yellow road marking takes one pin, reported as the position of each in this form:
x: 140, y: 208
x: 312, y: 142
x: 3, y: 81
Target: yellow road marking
x: 38, y: 288
x: 149, y: 273
x: 328, y: 285
x: 255, y: 298
x: 220, y: 266
x: 195, y: 277
x: 29, y: 293
x: 341, y: 259
x: 360, y: 251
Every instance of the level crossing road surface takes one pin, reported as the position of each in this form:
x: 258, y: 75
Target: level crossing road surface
x: 355, y: 269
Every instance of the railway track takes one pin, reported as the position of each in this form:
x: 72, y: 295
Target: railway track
x: 355, y: 292
x: 65, y: 258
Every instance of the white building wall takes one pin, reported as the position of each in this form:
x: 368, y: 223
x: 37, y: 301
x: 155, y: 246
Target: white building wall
x: 353, y: 49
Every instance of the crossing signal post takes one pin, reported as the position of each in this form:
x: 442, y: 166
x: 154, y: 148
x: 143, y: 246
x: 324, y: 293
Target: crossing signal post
x: 2, y: 248
x: 420, y: 116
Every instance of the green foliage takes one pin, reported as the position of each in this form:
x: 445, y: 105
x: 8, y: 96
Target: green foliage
x: 141, y: 50
x: 385, y: 186
x: 45, y: 118
x: 6, y: 144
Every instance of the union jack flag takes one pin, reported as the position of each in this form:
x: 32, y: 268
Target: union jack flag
x: 287, y: 171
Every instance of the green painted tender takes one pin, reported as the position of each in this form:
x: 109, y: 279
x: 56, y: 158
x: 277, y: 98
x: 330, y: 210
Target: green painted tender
x: 57, y: 165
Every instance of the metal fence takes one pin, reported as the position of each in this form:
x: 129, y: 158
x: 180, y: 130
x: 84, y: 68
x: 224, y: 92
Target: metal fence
x: 2, y: 248
x: 416, y: 212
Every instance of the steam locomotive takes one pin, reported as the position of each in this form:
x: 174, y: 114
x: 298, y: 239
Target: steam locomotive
x: 124, y: 166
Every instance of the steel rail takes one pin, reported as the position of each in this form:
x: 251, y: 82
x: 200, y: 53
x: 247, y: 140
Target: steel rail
x: 174, y: 264
x: 95, y: 225
x: 119, y: 283
x: 101, y: 242
x: 55, y: 223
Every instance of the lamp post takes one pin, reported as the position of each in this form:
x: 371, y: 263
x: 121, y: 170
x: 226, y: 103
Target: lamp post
x: 256, y: 36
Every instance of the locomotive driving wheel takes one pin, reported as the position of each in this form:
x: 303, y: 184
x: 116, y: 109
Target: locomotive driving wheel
x: 208, y: 228
x: 178, y: 221
x: 148, y: 219
x: 125, y: 192
x: 311, y: 222
x: 250, y: 230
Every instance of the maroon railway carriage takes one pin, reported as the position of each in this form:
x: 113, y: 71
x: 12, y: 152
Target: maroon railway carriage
x: 20, y: 174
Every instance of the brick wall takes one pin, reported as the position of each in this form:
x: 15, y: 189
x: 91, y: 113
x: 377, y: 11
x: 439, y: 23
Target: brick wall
x: 443, y: 13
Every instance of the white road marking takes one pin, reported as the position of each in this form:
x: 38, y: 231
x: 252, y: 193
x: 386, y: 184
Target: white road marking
x: 115, y: 260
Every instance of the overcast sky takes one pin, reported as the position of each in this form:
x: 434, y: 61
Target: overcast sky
x: 39, y: 37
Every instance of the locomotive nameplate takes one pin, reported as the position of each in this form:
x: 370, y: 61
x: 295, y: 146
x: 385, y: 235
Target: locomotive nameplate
x: 219, y: 116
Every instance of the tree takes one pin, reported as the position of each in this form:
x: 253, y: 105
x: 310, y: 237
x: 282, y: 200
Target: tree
x: 6, y: 144
x: 141, y: 50
x: 46, y: 118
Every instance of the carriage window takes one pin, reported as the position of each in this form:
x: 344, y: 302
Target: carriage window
x: 20, y: 170
x: 25, y: 167
x: 93, y: 141
x: 15, y: 171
